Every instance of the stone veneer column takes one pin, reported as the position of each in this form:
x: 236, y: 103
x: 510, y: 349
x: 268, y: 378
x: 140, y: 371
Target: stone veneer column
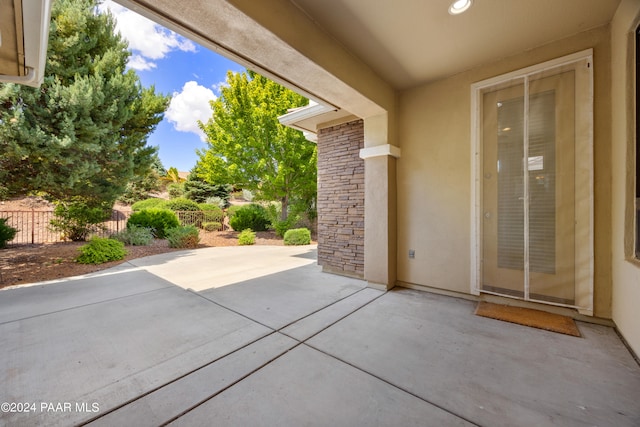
x: 341, y: 199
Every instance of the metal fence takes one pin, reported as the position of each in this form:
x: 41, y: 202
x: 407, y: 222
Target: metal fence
x: 34, y: 226
x: 198, y: 218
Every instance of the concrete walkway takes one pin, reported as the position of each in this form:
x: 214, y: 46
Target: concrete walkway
x: 258, y: 336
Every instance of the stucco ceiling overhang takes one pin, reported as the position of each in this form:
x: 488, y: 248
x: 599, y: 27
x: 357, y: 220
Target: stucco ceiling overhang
x: 412, y: 42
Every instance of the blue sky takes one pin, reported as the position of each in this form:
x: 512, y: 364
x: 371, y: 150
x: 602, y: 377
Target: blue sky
x: 190, y: 73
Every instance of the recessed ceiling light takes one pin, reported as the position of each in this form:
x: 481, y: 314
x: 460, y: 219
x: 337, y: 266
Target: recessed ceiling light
x: 459, y: 6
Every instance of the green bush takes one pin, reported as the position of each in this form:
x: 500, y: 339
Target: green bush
x: 100, y: 250
x: 247, y: 237
x: 158, y: 220
x: 212, y: 226
x: 231, y: 210
x: 274, y: 211
x: 281, y: 227
x: 250, y: 216
x: 218, y: 201
x: 175, y: 190
x: 134, y: 236
x: 147, y: 204
x: 76, y: 220
x: 180, y: 204
x: 186, y: 236
x: 7, y: 233
x: 140, y: 186
x: 209, y: 207
x: 297, y: 236
x: 247, y: 195
x: 212, y: 213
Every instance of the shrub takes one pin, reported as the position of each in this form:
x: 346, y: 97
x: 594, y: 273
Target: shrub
x: 250, y: 216
x: 175, y: 190
x: 147, y: 204
x: 212, y: 213
x: 7, y: 233
x: 297, y: 236
x: 247, y: 195
x: 212, y: 226
x: 76, y: 220
x: 218, y: 201
x: 139, y: 188
x: 281, y: 227
x: 186, y: 236
x: 100, y: 250
x: 180, y: 204
x: 231, y: 210
x: 274, y: 210
x: 158, y: 220
x: 209, y: 207
x: 246, y: 237
x: 134, y: 235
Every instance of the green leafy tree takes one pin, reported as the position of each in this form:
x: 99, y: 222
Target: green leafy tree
x: 173, y: 175
x: 248, y: 147
x: 83, y: 133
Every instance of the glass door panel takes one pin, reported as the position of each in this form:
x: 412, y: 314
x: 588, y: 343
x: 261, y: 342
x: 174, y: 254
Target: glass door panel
x: 528, y: 188
x: 503, y: 185
x: 551, y: 140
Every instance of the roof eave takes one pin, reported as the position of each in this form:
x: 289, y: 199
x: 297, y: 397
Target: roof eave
x: 308, y: 119
x: 36, y: 16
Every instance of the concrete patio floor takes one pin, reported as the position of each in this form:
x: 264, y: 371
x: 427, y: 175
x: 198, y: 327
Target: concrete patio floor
x: 259, y: 336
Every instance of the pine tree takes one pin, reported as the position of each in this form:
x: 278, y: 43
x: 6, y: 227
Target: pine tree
x: 81, y: 135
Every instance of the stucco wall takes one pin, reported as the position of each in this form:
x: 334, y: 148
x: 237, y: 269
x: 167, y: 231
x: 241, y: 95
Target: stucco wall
x: 434, y: 172
x: 626, y: 272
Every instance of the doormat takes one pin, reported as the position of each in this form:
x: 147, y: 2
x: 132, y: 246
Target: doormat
x: 529, y: 317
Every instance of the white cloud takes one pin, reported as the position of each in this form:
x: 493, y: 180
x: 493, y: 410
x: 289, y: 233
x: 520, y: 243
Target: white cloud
x: 138, y: 62
x: 189, y: 106
x: 217, y: 87
x: 148, y: 40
